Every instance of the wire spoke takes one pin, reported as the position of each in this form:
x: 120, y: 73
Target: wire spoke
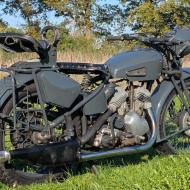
x: 28, y: 112
x: 172, y: 121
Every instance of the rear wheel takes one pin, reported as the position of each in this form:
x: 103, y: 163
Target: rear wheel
x: 174, y: 117
x: 21, y: 172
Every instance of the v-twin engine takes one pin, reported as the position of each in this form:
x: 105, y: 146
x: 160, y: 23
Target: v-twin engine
x: 127, y: 126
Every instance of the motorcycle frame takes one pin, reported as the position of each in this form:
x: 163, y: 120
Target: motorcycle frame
x: 70, y: 68
x: 158, y: 96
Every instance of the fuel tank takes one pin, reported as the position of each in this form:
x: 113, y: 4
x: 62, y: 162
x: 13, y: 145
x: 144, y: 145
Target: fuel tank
x: 140, y: 64
x: 57, y: 88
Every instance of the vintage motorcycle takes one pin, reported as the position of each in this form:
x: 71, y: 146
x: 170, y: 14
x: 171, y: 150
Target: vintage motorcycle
x: 49, y: 121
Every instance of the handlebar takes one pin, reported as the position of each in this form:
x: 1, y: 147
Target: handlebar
x: 144, y: 39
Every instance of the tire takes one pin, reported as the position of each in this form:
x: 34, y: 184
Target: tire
x: 9, y: 175
x: 167, y: 127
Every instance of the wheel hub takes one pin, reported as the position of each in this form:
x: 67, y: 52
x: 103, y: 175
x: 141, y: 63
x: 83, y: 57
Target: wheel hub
x: 184, y: 122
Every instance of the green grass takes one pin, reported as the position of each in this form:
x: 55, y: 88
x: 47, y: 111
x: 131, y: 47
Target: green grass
x: 140, y: 172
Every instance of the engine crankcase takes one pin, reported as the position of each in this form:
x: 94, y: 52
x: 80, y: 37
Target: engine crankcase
x: 136, y: 124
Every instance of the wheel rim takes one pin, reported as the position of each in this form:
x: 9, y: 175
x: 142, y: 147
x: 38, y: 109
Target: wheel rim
x: 172, y: 122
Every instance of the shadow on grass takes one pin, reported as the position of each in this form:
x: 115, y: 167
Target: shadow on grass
x: 83, y: 168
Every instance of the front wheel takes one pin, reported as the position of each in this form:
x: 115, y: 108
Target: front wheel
x: 174, y: 117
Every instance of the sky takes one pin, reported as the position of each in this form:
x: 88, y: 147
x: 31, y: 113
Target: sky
x: 17, y: 21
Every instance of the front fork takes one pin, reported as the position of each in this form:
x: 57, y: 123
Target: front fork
x: 185, y: 98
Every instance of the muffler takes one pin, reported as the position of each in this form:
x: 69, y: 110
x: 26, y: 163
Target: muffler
x: 127, y: 150
x: 50, y: 154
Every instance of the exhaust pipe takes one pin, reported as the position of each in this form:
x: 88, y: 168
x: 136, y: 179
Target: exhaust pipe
x: 57, y: 154
x: 4, y: 157
x: 127, y: 150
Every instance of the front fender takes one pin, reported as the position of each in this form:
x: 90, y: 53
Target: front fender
x: 6, y: 85
x: 161, y: 93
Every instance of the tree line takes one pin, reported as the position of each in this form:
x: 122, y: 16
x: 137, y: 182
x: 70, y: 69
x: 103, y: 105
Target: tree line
x: 85, y: 21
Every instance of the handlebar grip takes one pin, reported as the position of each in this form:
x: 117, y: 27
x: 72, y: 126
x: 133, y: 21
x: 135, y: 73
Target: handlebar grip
x: 121, y: 38
x: 114, y: 38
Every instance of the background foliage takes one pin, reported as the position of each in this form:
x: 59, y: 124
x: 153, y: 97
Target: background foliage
x: 86, y: 23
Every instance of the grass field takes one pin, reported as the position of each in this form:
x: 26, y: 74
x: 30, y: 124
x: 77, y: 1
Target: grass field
x: 140, y: 172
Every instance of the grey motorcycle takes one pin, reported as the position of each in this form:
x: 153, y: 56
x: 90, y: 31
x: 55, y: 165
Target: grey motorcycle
x: 49, y: 121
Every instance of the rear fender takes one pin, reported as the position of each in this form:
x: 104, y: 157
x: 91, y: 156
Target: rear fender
x: 160, y: 95
x: 20, y: 78
x: 6, y: 85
